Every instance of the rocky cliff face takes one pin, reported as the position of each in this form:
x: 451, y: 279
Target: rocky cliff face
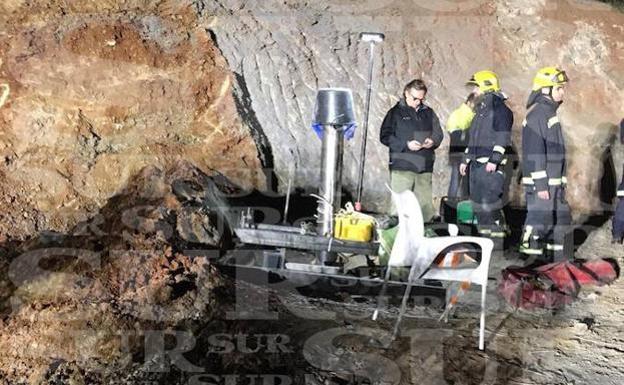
x: 94, y: 92
x: 284, y: 51
x: 91, y: 93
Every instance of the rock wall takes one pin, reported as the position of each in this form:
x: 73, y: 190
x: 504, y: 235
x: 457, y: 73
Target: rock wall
x: 96, y: 91
x: 285, y: 50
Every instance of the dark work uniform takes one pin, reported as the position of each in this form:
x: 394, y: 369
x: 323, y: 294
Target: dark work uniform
x: 618, y: 217
x: 544, y: 169
x: 490, y: 139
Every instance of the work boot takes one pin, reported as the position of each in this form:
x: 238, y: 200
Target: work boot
x: 532, y: 247
x: 483, y: 232
x: 496, y: 234
x: 499, y: 241
x: 557, y: 253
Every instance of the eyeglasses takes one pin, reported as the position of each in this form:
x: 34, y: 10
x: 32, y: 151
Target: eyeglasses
x: 414, y: 98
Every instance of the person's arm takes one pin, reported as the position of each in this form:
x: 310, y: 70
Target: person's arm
x: 534, y: 148
x: 467, y: 155
x: 554, y: 144
x: 620, y: 190
x: 387, y: 136
x: 503, y: 122
x: 452, y: 124
x: 436, y: 135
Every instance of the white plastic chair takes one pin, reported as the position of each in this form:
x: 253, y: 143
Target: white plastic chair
x: 411, y: 248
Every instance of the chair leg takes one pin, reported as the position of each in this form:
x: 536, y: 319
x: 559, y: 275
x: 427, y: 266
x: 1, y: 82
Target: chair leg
x: 482, y: 325
x: 445, y: 313
x: 382, y: 293
x: 406, y: 295
x: 448, y: 301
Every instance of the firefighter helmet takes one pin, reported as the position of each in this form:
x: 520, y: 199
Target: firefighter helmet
x: 549, y: 77
x: 485, y: 80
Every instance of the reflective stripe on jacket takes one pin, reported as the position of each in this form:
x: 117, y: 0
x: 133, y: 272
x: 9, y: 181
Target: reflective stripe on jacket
x: 490, y: 131
x: 543, y: 144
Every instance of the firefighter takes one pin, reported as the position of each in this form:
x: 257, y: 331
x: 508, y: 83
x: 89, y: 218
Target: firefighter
x: 544, y: 170
x: 457, y: 126
x: 618, y: 217
x: 489, y: 140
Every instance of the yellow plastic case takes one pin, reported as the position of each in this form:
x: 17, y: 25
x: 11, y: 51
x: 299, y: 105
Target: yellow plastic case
x: 348, y: 227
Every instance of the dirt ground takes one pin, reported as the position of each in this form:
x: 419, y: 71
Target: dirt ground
x: 579, y: 344
x: 109, y: 302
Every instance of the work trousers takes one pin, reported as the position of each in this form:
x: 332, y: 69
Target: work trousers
x: 547, y: 229
x: 420, y: 184
x: 618, y: 216
x: 486, y: 194
x: 618, y: 221
x: 459, y: 187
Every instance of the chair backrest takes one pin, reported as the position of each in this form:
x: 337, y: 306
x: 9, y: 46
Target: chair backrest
x: 411, y: 229
x: 409, y: 211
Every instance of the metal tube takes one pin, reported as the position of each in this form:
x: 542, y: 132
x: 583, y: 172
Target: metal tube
x: 331, y: 176
x: 331, y: 184
x: 287, y: 204
x: 369, y: 90
x: 333, y: 115
x: 382, y: 293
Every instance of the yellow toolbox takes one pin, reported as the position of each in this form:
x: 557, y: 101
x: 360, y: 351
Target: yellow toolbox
x: 353, y: 226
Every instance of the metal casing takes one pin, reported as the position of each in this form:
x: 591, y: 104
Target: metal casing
x: 334, y: 107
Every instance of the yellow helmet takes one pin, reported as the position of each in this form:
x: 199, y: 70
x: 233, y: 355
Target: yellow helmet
x: 485, y: 80
x: 549, y: 77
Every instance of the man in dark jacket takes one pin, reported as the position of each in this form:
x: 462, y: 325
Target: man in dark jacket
x: 412, y: 132
x: 490, y: 139
x: 544, y: 170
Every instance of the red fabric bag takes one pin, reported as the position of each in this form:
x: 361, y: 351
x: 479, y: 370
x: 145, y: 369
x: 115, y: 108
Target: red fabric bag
x: 522, y: 287
x: 553, y: 285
